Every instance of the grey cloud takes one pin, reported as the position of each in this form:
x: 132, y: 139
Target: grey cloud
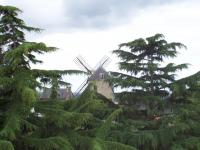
x: 81, y: 14
x: 104, y: 13
x: 99, y: 13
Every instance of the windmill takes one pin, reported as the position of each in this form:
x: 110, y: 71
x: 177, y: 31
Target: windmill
x: 97, y: 76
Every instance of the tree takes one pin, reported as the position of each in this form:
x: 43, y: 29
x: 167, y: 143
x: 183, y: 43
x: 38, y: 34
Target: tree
x: 186, y: 102
x: 29, y: 124
x: 17, y: 82
x: 177, y: 129
x: 142, y: 60
x: 11, y: 29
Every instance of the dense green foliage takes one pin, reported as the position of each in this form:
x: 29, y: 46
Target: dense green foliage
x: 142, y: 62
x: 155, y: 112
x: 30, y: 124
x: 160, y: 113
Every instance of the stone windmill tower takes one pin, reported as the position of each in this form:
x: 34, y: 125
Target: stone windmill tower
x: 96, y: 76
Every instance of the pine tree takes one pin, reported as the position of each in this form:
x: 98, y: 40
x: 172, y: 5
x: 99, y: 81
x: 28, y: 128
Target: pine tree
x: 160, y: 129
x: 29, y: 124
x: 17, y: 82
x: 12, y: 29
x: 142, y: 61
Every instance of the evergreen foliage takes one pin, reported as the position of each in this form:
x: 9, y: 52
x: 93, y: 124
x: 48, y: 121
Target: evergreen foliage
x: 142, y: 60
x: 30, y: 124
x: 148, y: 116
x: 153, y: 118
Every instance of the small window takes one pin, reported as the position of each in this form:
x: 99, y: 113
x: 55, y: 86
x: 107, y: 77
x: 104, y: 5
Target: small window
x: 101, y: 75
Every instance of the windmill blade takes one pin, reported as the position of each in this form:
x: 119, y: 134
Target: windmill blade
x: 103, y: 62
x: 106, y: 62
x: 82, y: 64
x: 81, y: 87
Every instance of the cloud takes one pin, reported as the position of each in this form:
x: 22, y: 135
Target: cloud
x: 104, y: 13
x: 65, y: 15
x: 122, y: 21
x: 40, y: 13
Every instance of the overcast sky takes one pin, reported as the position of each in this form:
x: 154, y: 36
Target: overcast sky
x: 93, y: 28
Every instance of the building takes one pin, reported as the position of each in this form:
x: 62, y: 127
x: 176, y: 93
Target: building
x: 63, y: 94
x: 100, y: 85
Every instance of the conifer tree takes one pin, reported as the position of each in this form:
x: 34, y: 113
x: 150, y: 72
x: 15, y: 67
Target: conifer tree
x: 17, y: 82
x: 29, y: 124
x: 161, y: 129
x: 12, y: 29
x: 142, y: 61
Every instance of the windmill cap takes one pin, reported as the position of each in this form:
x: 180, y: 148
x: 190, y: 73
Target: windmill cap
x: 99, y: 74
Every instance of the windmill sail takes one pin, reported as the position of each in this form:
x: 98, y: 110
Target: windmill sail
x: 103, y: 62
x: 82, y: 64
x: 81, y: 87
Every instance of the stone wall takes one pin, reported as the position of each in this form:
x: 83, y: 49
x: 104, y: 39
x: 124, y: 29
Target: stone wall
x: 104, y: 89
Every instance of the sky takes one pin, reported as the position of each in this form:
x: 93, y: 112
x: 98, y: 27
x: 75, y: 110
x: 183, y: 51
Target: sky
x: 93, y: 28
